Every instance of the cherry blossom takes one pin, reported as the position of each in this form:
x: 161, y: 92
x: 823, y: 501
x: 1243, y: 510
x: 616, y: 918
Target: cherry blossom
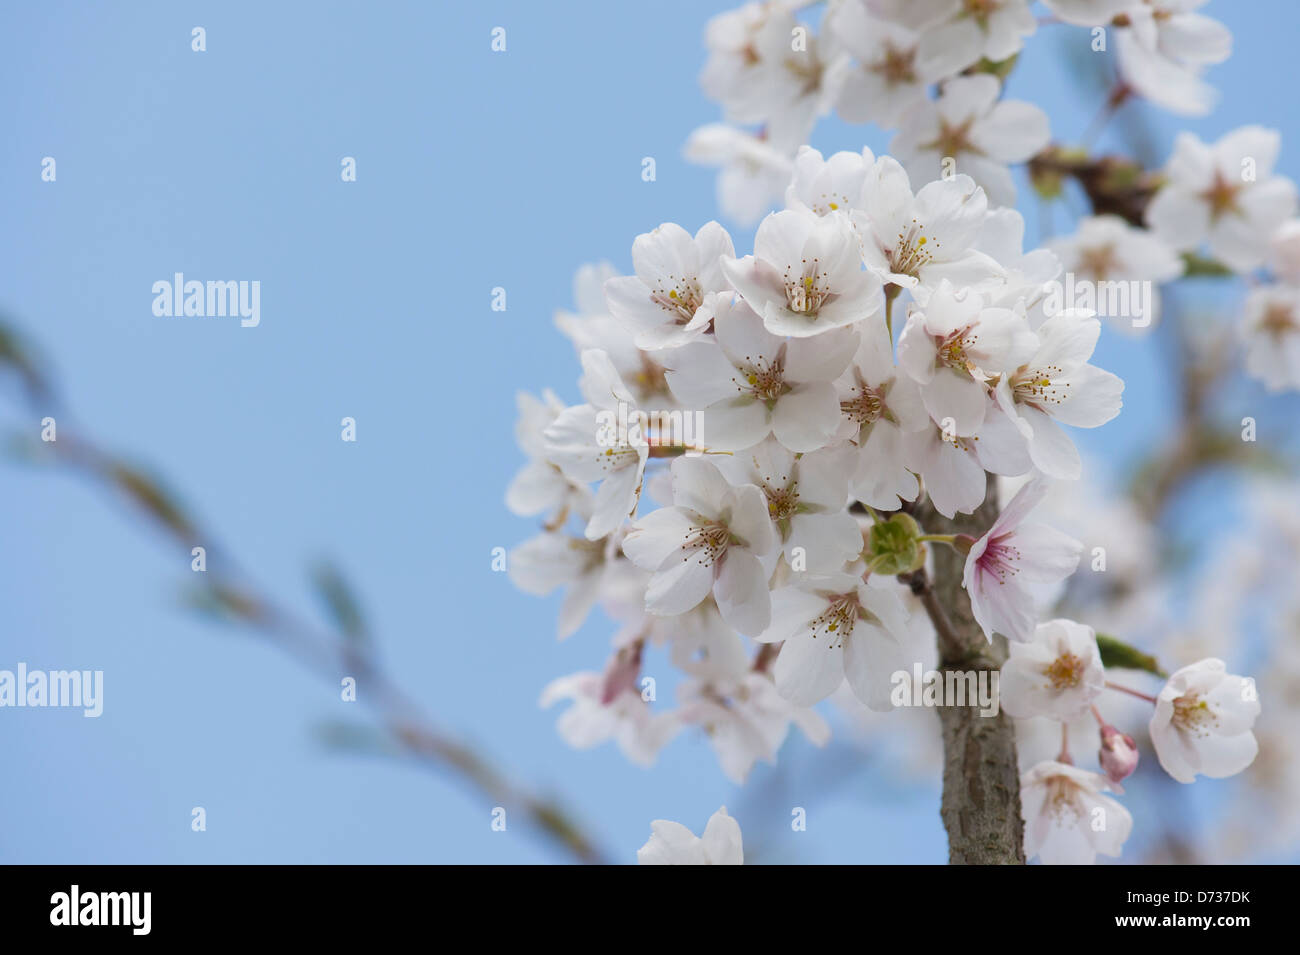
x: 586, y: 443
x: 1010, y: 567
x: 592, y: 720
x: 835, y: 626
x: 970, y: 126
x: 883, y: 80
x: 749, y: 383
x: 1270, y: 332
x: 878, y: 406
x: 715, y: 538
x: 1202, y: 723
x: 805, y: 276
x: 1225, y: 195
x: 806, y: 497
x: 671, y: 298
x: 952, y: 344
x: 1106, y: 249
x: 918, y: 240
x: 1058, y: 673
x: 671, y: 843
x: 1068, y: 818
x: 746, y: 719
x: 1166, y: 47
x: 754, y: 173
x: 956, y: 34
x: 1056, y: 385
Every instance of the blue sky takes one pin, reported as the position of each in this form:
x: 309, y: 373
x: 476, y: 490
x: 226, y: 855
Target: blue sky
x: 475, y: 170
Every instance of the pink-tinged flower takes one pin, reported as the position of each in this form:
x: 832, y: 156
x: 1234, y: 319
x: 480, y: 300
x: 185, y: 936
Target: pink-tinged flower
x: 805, y: 276
x: 591, y: 720
x: 1203, y: 720
x: 671, y: 298
x: 1118, y: 754
x: 1057, y: 674
x: 716, y: 538
x: 671, y: 843
x: 746, y: 720
x: 1068, y: 820
x: 1011, y: 569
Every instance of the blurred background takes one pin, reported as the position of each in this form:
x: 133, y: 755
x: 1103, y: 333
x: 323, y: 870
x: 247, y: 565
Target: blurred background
x: 478, y: 169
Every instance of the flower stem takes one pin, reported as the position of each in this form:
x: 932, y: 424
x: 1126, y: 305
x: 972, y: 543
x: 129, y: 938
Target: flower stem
x: 1124, y: 689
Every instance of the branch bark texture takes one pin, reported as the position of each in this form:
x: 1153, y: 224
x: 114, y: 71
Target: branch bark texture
x: 981, y: 778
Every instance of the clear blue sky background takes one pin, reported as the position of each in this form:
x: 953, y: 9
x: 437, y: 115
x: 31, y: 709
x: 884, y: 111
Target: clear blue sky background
x: 475, y: 170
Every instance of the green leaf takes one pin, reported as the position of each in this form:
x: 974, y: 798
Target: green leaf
x: 1117, y: 653
x: 340, y: 601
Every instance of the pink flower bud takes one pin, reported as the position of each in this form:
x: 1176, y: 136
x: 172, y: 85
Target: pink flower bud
x: 621, y: 673
x: 1118, y: 754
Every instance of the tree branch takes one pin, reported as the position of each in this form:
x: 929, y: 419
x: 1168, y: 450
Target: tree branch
x: 981, y: 777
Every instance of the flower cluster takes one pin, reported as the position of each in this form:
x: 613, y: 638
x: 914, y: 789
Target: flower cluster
x: 763, y: 437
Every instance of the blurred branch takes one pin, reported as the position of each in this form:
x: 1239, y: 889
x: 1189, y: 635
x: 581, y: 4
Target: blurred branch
x: 234, y: 598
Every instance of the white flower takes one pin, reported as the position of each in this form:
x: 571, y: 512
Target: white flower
x: 759, y: 76
x: 805, y: 276
x: 1089, y: 13
x: 1165, y: 49
x: 1068, y: 820
x: 1284, y: 255
x: 828, y: 185
x: 1270, y: 332
x: 1202, y: 723
x: 918, y: 240
x: 591, y: 720
x: 1010, y: 567
x: 806, y: 496
x: 1106, y: 249
x: 588, y: 443
x: 552, y: 560
x: 671, y: 843
x: 951, y: 345
x: 592, y: 327
x: 749, y: 383
x: 885, y: 81
x: 878, y: 406
x: 956, y: 34
x: 952, y: 467
x: 836, y: 626
x: 670, y: 299
x: 1058, y: 385
x: 715, y: 538
x: 746, y: 720
x: 969, y: 125
x: 1225, y: 194
x: 754, y: 174
x: 1057, y: 674
x: 539, y: 487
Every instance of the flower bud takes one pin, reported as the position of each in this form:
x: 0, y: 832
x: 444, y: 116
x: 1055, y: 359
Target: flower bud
x: 1118, y: 754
